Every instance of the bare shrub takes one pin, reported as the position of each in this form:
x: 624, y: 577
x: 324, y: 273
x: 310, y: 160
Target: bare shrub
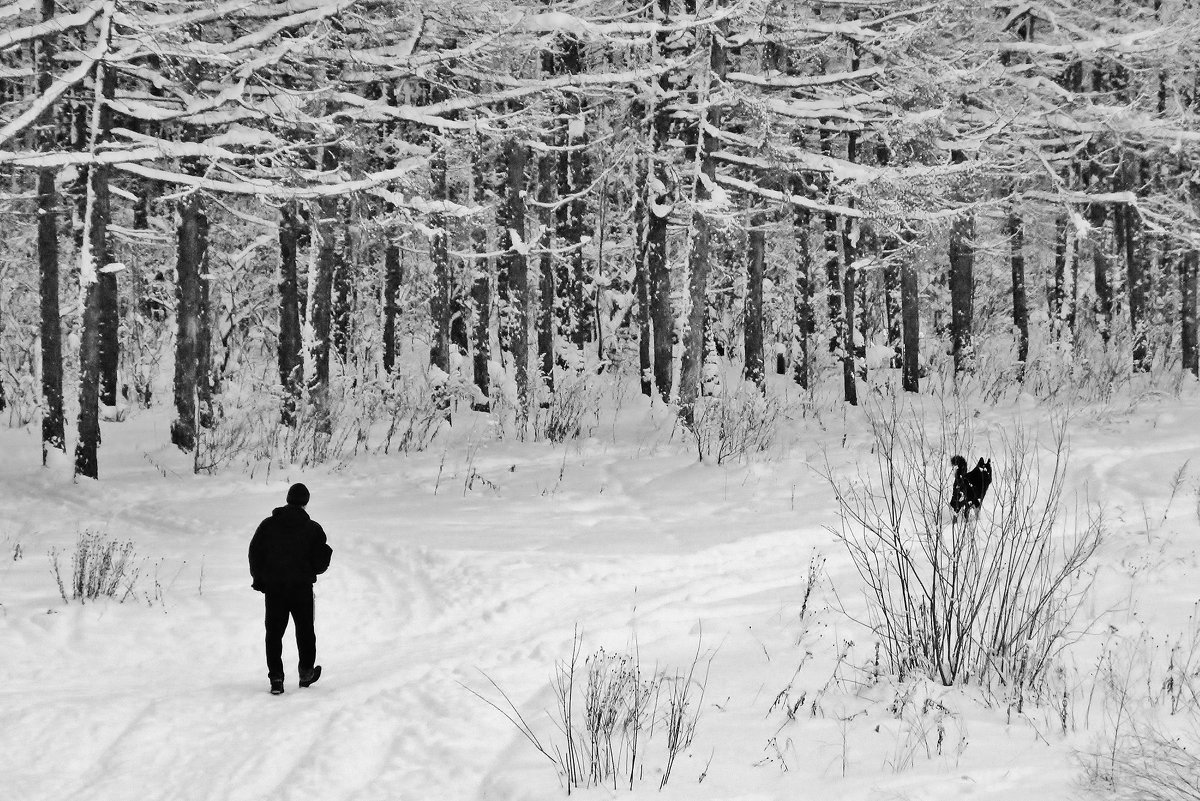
x: 607, y: 711
x: 572, y: 411
x: 100, y: 568
x: 991, y: 600
x: 736, y: 424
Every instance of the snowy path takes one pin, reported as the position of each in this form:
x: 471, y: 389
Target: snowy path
x: 105, y: 698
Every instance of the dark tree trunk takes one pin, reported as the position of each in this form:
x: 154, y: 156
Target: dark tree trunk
x: 642, y: 287
x: 1101, y: 269
x: 481, y: 291
x: 97, y: 215
x: 691, y: 365
x: 546, y: 295
x: 320, y: 309
x: 962, y: 276
x: 892, y: 303
x: 54, y: 435
x: 392, y: 279
x: 1189, y: 268
x: 755, y: 363
x: 572, y: 179
x: 343, y: 282
x: 439, y: 252
x: 692, y: 362
x: 1066, y: 257
x: 910, y: 326
x: 516, y: 267
x: 110, y: 348
x: 191, y: 257
x: 659, y: 200
x: 1014, y: 229
x: 848, y: 352
x: 833, y: 267
x: 1137, y: 279
x: 802, y: 323
x: 291, y: 345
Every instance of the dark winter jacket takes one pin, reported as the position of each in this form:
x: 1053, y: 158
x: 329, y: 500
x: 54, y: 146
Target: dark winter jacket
x: 288, y: 549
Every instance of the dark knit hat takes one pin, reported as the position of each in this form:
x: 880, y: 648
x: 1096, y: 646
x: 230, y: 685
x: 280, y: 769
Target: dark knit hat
x: 297, y: 495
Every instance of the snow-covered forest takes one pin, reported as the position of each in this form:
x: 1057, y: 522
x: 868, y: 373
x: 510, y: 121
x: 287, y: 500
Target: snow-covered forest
x: 508, y: 195
x: 624, y: 344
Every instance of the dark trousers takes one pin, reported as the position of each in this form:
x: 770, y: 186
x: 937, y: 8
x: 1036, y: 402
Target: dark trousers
x: 295, y: 601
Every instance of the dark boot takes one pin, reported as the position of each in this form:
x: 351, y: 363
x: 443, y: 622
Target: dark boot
x: 276, y: 686
x: 308, y: 678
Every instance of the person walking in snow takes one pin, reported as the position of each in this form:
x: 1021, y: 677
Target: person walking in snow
x: 287, y: 554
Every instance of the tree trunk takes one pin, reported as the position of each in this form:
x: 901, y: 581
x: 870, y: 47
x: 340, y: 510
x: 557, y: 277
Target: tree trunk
x: 833, y: 267
x: 848, y: 357
x: 1189, y: 268
x: 910, y: 326
x: 514, y: 259
x: 93, y: 258
x: 755, y: 363
x: 1014, y: 229
x: 546, y: 294
x: 642, y: 287
x: 962, y: 269
x: 291, y: 345
x: 659, y: 202
x: 481, y: 294
x: 850, y: 352
x: 1062, y: 305
x: 439, y: 253
x: 110, y: 348
x: 1101, y: 267
x: 572, y: 179
x: 191, y: 257
x: 320, y: 308
x: 802, y: 323
x: 392, y: 279
x: 691, y: 365
x: 53, y: 424
x: 692, y: 362
x: 343, y: 281
x: 1137, y: 275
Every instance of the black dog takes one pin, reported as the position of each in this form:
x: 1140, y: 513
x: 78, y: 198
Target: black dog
x: 969, y: 485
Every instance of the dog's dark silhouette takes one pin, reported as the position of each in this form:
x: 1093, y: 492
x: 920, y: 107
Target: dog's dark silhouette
x: 969, y: 485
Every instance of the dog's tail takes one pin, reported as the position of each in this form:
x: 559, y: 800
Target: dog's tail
x: 959, y: 462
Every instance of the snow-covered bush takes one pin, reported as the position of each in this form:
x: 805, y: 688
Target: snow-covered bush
x: 100, y: 568
x: 736, y: 423
x: 989, y: 600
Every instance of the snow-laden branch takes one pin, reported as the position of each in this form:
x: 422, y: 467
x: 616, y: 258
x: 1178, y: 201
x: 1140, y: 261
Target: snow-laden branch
x: 562, y: 22
x: 786, y: 197
x: 256, y: 39
x: 241, y: 9
x: 1083, y: 198
x: 439, y: 115
x: 57, y: 24
x: 842, y: 108
x: 270, y: 187
x: 56, y: 90
x: 778, y: 80
x: 1144, y: 41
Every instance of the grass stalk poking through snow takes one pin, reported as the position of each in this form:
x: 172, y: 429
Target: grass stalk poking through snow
x: 100, y: 568
x: 606, y: 715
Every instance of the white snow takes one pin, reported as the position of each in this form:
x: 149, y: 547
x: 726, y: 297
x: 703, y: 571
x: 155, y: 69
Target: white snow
x: 480, y: 557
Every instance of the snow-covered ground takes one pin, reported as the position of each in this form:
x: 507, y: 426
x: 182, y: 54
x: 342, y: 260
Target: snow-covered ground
x: 478, y: 560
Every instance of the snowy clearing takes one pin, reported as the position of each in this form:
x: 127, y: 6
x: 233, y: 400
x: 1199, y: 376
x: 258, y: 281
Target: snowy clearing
x: 479, y: 559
